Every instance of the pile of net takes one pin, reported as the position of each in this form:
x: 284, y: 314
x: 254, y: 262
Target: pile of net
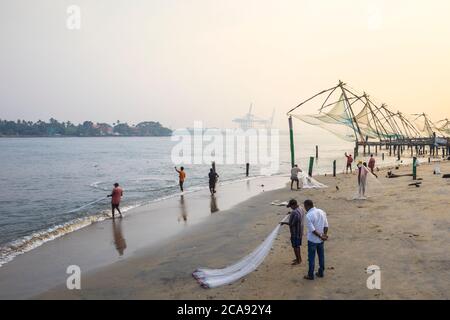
x: 310, y: 183
x: 213, y: 278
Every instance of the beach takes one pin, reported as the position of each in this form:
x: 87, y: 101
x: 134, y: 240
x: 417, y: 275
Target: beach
x: 402, y: 229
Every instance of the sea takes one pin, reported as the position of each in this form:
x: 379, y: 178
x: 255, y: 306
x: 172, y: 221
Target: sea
x: 53, y: 186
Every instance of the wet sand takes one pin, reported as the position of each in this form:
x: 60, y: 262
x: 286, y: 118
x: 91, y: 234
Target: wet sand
x: 403, y: 229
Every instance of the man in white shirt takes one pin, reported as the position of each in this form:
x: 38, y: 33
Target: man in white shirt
x: 317, y: 224
x: 294, y: 176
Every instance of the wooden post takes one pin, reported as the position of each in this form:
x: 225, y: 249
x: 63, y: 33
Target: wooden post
x: 247, y: 169
x: 317, y: 152
x: 334, y: 168
x: 311, y: 164
x: 291, y: 138
x: 414, y: 168
x: 382, y: 156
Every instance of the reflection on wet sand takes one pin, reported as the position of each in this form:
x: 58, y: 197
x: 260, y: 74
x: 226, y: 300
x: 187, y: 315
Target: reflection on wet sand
x: 119, y: 240
x: 213, y: 204
x: 183, y: 214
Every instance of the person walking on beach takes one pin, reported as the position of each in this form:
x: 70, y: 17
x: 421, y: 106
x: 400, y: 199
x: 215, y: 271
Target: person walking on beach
x: 349, y: 162
x: 362, y: 179
x: 294, y: 176
x: 116, y: 196
x: 212, y: 175
x: 372, y: 165
x: 181, y: 177
x: 317, y: 225
x: 296, y: 228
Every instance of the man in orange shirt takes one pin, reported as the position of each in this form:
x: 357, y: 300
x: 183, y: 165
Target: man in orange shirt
x: 182, y: 177
x: 116, y: 196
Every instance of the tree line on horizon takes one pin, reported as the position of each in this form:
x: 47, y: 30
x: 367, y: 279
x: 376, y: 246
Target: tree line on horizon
x: 86, y: 129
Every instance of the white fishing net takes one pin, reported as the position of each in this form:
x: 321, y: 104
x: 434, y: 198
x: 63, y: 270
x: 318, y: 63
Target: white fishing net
x: 310, y: 183
x: 213, y: 278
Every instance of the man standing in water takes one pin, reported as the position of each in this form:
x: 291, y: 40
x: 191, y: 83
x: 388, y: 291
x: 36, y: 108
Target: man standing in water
x: 212, y: 180
x: 116, y: 196
x: 317, y: 224
x: 296, y: 228
x: 294, y: 176
x: 349, y: 163
x: 372, y: 165
x: 181, y: 176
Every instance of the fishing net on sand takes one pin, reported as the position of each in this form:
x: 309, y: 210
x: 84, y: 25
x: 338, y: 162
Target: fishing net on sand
x: 213, y: 278
x: 311, y: 183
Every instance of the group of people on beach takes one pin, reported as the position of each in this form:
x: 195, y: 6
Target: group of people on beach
x: 370, y: 165
x: 212, y: 179
x: 117, y: 192
x: 317, y: 233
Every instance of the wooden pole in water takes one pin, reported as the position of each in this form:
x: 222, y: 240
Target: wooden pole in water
x: 291, y: 138
x: 311, y: 164
x: 247, y: 169
x: 382, y: 156
x: 414, y: 168
x: 334, y: 168
x: 213, y: 165
x: 317, y: 152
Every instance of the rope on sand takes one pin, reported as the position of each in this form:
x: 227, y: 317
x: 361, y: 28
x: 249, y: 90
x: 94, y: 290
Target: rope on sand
x: 213, y: 278
x: 86, y: 205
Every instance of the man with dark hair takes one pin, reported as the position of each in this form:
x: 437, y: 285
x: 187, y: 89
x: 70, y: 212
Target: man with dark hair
x: 116, y: 196
x: 212, y: 175
x: 317, y: 224
x: 372, y: 165
x: 296, y: 228
x: 349, y: 162
x: 294, y: 176
x: 181, y: 177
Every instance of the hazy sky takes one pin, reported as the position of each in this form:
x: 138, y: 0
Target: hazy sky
x: 185, y: 60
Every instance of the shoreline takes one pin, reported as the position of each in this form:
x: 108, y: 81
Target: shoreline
x: 142, y: 228
x: 408, y: 242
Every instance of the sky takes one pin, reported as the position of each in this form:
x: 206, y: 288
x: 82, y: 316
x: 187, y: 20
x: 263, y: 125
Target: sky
x: 180, y: 61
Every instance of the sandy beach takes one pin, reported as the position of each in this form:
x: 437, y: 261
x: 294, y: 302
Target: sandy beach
x: 403, y: 229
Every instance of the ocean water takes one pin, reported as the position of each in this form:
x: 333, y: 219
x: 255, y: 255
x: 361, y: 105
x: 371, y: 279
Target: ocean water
x: 53, y: 186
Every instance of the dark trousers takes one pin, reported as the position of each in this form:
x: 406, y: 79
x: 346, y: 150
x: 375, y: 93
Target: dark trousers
x: 312, y: 248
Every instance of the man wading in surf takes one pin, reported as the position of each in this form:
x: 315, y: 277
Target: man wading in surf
x: 116, y: 195
x: 182, y: 176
